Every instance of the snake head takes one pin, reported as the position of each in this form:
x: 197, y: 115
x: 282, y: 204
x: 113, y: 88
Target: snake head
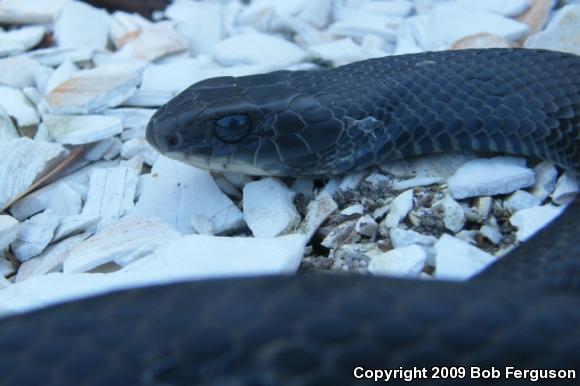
x: 277, y: 124
x: 223, y: 124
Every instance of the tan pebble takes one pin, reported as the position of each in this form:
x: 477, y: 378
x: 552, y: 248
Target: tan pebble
x: 537, y: 15
x: 482, y: 40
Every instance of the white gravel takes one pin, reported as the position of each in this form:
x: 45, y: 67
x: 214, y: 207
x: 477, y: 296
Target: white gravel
x: 121, y: 215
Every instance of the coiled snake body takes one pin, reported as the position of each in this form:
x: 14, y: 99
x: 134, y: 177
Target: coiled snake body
x: 524, y: 311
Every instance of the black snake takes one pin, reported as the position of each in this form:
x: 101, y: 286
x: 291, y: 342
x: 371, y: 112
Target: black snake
x: 523, y: 311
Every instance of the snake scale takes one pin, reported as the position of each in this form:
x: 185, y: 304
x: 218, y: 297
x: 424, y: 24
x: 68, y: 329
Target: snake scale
x: 523, y: 311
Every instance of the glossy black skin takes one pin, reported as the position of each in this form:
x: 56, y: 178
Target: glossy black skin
x: 336, y: 121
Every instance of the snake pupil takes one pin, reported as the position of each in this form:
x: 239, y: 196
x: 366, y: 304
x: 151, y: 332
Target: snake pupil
x: 173, y: 141
x: 232, y: 128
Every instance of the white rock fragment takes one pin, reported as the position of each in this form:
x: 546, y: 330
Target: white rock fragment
x: 81, y: 129
x: 389, y: 8
x: 451, y: 21
x: 200, y: 23
x: 562, y: 33
x: 357, y: 24
x: 33, y: 95
x: 403, y: 262
x: 508, y: 8
x: 34, y: 235
x: 403, y: 237
x: 95, y: 90
x: 43, y: 290
x: 139, y: 147
x: 10, y: 48
x: 151, y: 43
x: 4, y: 283
x: 61, y: 74
x: 331, y: 186
x: 458, y: 260
x: 377, y: 179
x: 453, y: 215
x: 64, y: 201
x: 546, y: 175
x: 415, y: 35
x: 15, y: 103
x: 223, y: 257
x: 343, y: 51
x: 6, y: 269
x: 529, y: 221
x: 491, y: 233
x: 268, y: 208
x: 483, y: 206
x: 488, y: 177
x: 366, y: 226
x: 48, y: 261
x: 75, y: 224
x: 353, y: 209
x: 98, y: 150
x: 439, y: 167
x: 122, y: 242
x: 352, y: 181
x: 566, y: 190
x: 257, y: 48
x: 7, y: 128
x: 172, y: 77
x: 317, y: 212
x: 148, y: 99
x: 81, y: 25
x: 125, y: 25
x: 18, y: 71
x: 20, y: 40
x: 467, y: 235
x: 114, y: 151
x: 134, y: 119
x: 400, y: 207
x: 188, y: 199
x: 35, y: 202
x: 111, y: 194
x: 520, y: 200
x: 281, y: 8
x: 8, y: 231
x: 55, y: 56
x: 30, y: 11
x: 23, y: 161
x: 417, y: 181
x: 317, y: 13
x: 267, y: 15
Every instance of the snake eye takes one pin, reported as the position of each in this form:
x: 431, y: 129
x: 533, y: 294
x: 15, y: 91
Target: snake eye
x: 232, y: 128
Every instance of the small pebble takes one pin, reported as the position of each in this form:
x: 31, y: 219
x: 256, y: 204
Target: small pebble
x: 399, y: 208
x: 406, y: 261
x: 273, y: 216
x: 458, y: 260
x: 366, y: 226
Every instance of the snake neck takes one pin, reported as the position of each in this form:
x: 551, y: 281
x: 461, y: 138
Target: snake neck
x: 519, y: 102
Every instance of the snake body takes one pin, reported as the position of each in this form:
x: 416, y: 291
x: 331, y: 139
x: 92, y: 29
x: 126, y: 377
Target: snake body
x: 523, y: 311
